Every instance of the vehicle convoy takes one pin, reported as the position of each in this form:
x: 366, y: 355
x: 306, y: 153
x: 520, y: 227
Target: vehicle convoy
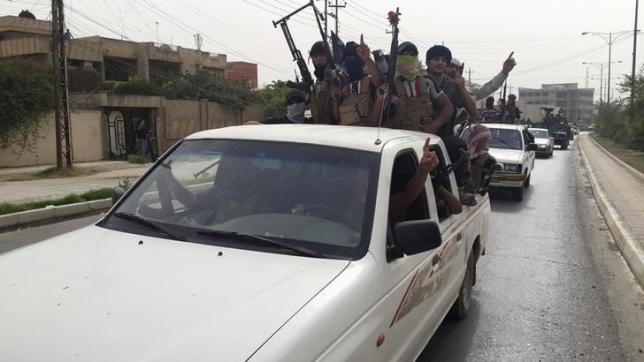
x: 561, y: 139
x: 514, y: 154
x: 260, y: 243
x: 545, y: 143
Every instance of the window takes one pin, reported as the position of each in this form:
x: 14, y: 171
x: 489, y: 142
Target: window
x: 404, y: 169
x: 315, y: 197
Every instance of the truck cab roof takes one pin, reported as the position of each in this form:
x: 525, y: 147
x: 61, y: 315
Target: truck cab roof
x: 357, y: 138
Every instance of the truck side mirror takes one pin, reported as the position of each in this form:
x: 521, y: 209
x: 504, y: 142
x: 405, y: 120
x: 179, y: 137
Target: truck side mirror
x: 532, y: 147
x: 117, y: 193
x: 417, y: 236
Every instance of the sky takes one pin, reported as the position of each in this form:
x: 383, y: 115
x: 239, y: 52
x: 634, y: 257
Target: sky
x: 544, y: 35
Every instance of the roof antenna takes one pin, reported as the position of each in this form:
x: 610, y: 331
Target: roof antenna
x: 393, y: 17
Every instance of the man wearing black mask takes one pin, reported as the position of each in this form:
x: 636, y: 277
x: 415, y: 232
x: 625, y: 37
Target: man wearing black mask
x: 357, y: 100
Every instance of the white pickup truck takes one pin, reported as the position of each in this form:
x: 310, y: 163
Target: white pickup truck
x: 514, y: 152
x: 252, y: 243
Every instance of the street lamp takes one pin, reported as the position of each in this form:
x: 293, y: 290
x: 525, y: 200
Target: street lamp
x: 609, y: 38
x: 600, y: 67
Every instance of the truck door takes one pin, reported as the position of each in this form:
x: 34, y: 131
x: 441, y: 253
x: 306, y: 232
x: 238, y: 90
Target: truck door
x: 415, y: 303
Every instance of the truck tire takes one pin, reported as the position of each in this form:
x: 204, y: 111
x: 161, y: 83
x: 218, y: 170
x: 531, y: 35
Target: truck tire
x: 517, y: 194
x: 527, y: 182
x: 564, y: 146
x: 463, y: 303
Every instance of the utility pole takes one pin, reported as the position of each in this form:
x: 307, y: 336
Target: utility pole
x: 337, y: 15
x: 637, y: 3
x: 326, y: 19
x: 61, y: 102
x: 610, y: 52
x: 198, y: 43
x: 469, y: 76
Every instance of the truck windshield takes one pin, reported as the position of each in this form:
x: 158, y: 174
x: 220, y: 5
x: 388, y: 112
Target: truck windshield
x: 506, y: 138
x: 539, y: 133
x: 314, y: 197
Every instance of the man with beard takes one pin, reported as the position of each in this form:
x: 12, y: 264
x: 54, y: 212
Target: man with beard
x: 452, y: 84
x: 481, y: 160
x: 324, y: 102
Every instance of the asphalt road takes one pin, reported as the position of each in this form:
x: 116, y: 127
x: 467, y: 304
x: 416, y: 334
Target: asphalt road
x: 552, y: 286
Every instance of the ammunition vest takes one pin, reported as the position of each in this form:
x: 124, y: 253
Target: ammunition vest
x: 318, y: 100
x: 354, y: 109
x: 414, y: 110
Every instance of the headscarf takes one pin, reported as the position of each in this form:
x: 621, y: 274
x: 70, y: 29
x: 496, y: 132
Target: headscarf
x: 479, y: 141
x: 408, y: 67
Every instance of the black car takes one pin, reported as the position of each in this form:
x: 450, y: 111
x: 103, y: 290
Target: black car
x: 561, y: 139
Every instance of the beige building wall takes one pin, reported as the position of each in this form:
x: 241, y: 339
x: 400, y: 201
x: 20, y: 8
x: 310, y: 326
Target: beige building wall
x: 88, y: 142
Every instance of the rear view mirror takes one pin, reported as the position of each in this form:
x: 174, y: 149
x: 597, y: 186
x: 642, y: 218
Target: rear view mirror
x: 417, y: 236
x: 117, y: 193
x: 532, y: 147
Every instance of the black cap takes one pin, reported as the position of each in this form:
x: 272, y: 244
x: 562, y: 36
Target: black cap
x: 295, y: 95
x: 350, y: 49
x: 407, y: 48
x: 318, y: 48
x: 439, y: 51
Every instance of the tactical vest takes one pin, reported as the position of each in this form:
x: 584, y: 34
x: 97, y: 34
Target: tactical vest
x: 414, y: 110
x: 354, y: 109
x: 318, y: 99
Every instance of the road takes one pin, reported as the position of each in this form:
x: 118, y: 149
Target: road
x: 551, y: 287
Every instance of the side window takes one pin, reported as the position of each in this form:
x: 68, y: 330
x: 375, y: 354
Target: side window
x: 404, y: 170
x: 441, y: 177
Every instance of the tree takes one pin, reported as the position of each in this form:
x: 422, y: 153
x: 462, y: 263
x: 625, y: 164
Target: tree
x: 273, y: 97
x: 206, y: 85
x: 26, y: 95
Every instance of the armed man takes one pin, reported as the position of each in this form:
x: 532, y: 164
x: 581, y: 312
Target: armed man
x: 356, y: 107
x: 326, y: 97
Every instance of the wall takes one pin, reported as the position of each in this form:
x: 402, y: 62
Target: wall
x: 89, y: 142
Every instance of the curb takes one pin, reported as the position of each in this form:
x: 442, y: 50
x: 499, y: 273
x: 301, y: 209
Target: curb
x: 52, y: 212
x: 632, y: 252
x: 632, y: 169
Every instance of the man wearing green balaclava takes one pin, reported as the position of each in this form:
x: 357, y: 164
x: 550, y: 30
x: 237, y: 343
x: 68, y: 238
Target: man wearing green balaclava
x: 419, y: 106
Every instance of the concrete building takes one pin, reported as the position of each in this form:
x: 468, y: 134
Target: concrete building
x: 576, y: 102
x: 96, y: 58
x: 243, y: 72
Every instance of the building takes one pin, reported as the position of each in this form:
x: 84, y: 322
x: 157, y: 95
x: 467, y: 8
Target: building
x: 103, y: 124
x: 243, y: 72
x: 95, y: 59
x: 576, y: 102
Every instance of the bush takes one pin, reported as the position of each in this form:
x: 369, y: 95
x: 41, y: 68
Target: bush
x: 26, y: 95
x: 273, y: 99
x: 139, y: 87
x: 206, y: 85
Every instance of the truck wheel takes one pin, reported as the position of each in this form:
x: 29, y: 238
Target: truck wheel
x: 527, y: 182
x: 564, y: 147
x: 517, y: 194
x: 463, y: 303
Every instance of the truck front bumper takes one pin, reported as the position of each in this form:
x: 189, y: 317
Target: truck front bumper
x: 507, y: 179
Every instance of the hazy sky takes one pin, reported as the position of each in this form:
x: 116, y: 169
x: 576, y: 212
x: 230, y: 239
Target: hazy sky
x: 545, y: 35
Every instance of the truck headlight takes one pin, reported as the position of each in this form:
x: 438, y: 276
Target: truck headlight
x: 512, y: 167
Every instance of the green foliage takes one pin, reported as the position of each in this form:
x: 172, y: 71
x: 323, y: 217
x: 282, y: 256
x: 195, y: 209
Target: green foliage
x: 623, y: 122
x: 206, y: 85
x: 273, y: 99
x: 105, y: 86
x: 139, y: 87
x: 26, y: 95
x: 10, y: 208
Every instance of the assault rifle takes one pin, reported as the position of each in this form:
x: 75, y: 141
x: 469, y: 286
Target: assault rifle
x: 504, y: 104
x: 307, y: 81
x: 388, y: 103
